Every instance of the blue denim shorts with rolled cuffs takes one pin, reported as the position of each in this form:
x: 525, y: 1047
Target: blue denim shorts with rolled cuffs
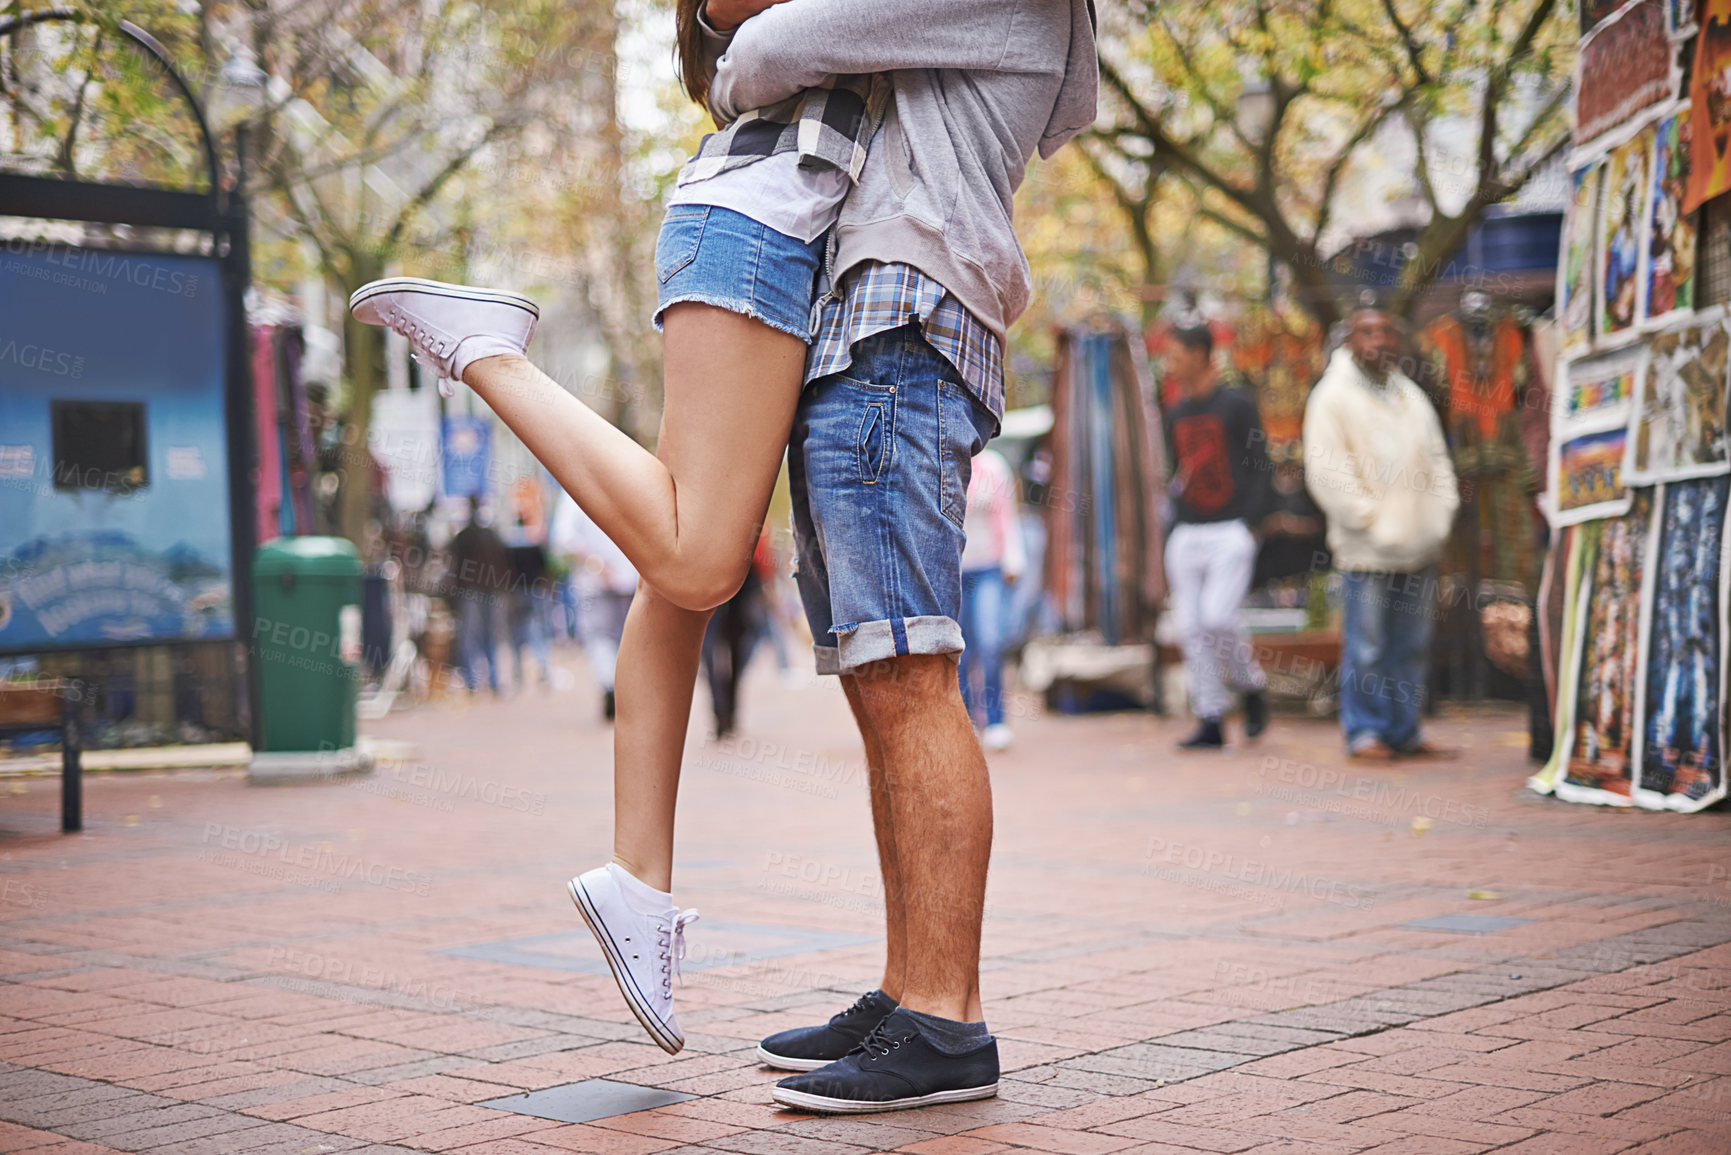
x: 878, y: 465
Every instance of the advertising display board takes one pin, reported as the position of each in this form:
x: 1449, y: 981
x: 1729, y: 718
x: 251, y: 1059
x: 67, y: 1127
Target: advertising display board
x: 115, y: 524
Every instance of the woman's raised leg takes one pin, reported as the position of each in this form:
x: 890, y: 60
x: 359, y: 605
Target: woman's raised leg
x: 688, y: 515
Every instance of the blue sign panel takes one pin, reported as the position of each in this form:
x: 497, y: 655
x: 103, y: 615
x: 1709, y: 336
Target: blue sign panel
x: 468, y: 442
x: 114, y: 484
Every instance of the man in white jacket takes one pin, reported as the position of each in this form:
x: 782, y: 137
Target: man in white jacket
x: 1376, y: 462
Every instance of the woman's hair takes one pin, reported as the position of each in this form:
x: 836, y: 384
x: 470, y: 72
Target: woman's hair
x: 694, y: 68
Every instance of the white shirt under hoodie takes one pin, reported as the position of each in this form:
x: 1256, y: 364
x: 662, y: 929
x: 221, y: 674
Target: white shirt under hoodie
x: 1376, y: 462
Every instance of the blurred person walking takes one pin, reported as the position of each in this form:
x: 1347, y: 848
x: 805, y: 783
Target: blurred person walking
x: 992, y: 560
x: 1376, y: 462
x: 732, y: 637
x: 530, y: 606
x: 603, y: 581
x: 481, y: 577
x: 1220, y: 488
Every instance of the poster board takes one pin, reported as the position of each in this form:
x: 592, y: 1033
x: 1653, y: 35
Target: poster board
x: 1605, y: 668
x: 1678, y: 427
x: 1578, y: 271
x: 1668, y: 264
x: 1679, y: 751
x: 1590, y: 435
x: 1626, y: 64
x: 115, y: 521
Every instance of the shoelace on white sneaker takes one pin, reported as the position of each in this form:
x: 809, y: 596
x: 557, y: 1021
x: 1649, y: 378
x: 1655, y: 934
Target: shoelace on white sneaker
x: 424, y: 343
x: 672, y: 944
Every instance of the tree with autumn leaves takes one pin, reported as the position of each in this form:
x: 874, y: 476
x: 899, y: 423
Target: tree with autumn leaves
x: 413, y: 134
x: 1262, y: 117
x: 381, y: 135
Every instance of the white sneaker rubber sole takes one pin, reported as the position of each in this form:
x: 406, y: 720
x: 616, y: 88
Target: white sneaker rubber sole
x: 784, y: 1063
x: 823, y: 1104
x: 441, y: 289
x: 664, y: 1038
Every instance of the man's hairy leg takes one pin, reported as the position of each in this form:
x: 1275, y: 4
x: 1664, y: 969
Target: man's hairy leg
x: 939, y: 804
x: 883, y: 828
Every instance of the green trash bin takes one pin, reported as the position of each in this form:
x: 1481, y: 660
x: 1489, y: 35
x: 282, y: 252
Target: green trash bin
x: 307, y: 643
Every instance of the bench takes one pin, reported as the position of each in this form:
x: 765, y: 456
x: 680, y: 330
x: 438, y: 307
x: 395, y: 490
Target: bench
x: 29, y: 707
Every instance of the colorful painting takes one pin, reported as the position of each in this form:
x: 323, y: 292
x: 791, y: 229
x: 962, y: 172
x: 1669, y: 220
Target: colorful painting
x: 1671, y: 238
x: 1578, y: 272
x: 1680, y: 756
x: 1599, y: 762
x: 1625, y: 66
x: 1622, y: 233
x: 1679, y: 426
x: 1601, y: 387
x: 1710, y: 107
x: 1588, y: 479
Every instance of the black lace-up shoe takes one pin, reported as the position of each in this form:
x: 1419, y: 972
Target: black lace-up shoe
x: 1207, y: 736
x: 892, y: 1069
x: 1255, y: 714
x: 808, y: 1048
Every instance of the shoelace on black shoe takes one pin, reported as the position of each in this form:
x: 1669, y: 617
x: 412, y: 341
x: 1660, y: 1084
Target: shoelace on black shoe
x: 859, y: 1005
x: 879, y: 1037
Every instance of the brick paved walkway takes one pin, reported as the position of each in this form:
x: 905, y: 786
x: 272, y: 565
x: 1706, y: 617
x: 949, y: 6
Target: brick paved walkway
x: 1265, y: 951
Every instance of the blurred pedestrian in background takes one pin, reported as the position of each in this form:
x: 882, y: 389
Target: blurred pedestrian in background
x: 992, y: 560
x: 1294, y: 534
x: 530, y: 603
x: 732, y: 636
x: 604, y: 582
x: 481, y: 580
x: 1220, y: 486
x: 1377, y: 464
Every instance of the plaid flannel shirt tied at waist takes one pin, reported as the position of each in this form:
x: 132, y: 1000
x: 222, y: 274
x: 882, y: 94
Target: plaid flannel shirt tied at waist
x: 831, y: 127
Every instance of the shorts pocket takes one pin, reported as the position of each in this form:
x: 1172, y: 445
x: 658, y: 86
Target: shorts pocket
x: 676, y: 244
x: 874, y: 442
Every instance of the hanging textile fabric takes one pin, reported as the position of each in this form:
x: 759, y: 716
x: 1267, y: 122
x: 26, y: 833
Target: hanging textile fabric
x: 1483, y: 365
x: 266, y: 434
x: 297, y: 431
x: 1104, y: 568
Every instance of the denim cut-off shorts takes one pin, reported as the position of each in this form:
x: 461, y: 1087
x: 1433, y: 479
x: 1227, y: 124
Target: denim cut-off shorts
x: 722, y: 258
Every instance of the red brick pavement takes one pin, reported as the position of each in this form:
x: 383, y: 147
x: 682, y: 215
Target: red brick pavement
x: 1202, y: 954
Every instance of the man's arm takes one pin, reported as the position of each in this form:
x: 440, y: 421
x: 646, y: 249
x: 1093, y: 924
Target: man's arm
x: 1330, y: 473
x: 796, y: 45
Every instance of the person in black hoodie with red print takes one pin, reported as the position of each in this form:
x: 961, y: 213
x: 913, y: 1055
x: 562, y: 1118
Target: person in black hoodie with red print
x: 1219, y: 489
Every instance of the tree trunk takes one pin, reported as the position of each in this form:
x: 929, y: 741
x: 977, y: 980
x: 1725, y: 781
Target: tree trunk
x: 1150, y: 254
x: 364, y: 367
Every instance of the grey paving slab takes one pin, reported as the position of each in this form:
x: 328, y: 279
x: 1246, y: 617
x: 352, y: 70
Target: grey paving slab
x: 585, y: 1101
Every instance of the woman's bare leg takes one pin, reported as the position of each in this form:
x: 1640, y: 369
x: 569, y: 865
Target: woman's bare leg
x: 658, y: 658
x: 688, y: 515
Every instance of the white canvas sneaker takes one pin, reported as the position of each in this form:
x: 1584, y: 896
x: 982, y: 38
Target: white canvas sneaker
x: 449, y: 326
x: 643, y: 949
x: 997, y: 737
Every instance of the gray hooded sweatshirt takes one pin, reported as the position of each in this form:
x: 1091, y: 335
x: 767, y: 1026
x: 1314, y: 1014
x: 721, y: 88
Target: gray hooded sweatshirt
x: 980, y: 86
